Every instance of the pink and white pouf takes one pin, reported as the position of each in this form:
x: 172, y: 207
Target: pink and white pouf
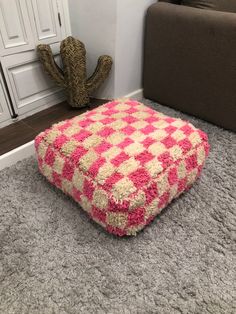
x: 122, y: 162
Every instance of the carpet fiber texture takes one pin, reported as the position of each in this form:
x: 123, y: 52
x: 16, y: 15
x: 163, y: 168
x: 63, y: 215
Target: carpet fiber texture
x: 54, y: 259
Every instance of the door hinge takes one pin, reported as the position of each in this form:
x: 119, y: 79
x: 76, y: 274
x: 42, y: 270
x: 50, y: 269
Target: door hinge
x: 59, y: 18
x: 15, y: 117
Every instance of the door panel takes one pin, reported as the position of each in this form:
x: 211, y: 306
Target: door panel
x: 30, y: 87
x: 29, y: 80
x: 45, y: 15
x: 16, y: 34
x: 4, y: 111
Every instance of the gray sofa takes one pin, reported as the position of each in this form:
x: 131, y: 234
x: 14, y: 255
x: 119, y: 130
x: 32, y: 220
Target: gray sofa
x: 190, y: 58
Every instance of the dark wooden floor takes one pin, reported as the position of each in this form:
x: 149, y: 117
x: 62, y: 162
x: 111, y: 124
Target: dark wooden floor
x: 25, y: 130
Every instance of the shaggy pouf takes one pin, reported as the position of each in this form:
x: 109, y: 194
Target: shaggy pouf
x: 54, y: 261
x: 122, y: 162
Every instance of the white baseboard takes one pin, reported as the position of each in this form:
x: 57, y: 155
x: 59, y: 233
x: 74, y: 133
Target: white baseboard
x: 16, y: 155
x: 137, y: 94
x: 27, y: 149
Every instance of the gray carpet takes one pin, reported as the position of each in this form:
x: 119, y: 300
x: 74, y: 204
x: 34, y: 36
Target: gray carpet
x: 53, y: 259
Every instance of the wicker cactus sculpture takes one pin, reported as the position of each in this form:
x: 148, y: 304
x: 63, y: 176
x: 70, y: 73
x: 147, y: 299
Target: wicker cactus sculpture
x: 73, y: 76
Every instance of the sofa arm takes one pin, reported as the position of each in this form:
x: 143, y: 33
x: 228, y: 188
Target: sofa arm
x: 190, y: 61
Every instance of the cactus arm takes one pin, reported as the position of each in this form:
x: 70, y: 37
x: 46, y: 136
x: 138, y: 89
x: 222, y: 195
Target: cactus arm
x: 100, y: 74
x: 49, y: 65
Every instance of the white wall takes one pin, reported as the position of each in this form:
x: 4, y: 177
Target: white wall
x: 94, y: 23
x: 113, y: 27
x: 129, y: 45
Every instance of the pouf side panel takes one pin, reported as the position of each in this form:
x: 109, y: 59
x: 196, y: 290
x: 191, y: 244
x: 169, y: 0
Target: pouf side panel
x: 47, y: 153
x: 72, y: 182
x: 120, y: 218
x: 142, y: 177
x: 171, y: 184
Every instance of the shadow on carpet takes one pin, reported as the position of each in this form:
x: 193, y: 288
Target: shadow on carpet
x: 53, y: 259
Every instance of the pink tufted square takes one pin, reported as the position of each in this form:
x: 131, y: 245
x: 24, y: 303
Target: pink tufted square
x: 122, y: 162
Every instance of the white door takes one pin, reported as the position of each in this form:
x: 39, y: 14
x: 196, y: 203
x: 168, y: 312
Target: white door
x: 15, y: 29
x: 23, y: 25
x: 29, y: 87
x: 4, y: 111
x: 46, y: 19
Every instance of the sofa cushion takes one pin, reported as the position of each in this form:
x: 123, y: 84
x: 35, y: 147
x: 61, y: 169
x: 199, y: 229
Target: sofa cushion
x: 202, y: 4
x: 122, y: 162
x: 172, y: 1
x: 226, y: 5
x: 219, y: 5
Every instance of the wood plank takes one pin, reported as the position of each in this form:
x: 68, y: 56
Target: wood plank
x: 23, y: 131
x: 15, y: 135
x: 44, y: 119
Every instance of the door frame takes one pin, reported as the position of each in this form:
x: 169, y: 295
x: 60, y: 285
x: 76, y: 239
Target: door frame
x: 4, y: 102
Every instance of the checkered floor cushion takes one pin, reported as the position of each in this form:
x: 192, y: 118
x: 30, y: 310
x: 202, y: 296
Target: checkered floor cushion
x: 122, y: 162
